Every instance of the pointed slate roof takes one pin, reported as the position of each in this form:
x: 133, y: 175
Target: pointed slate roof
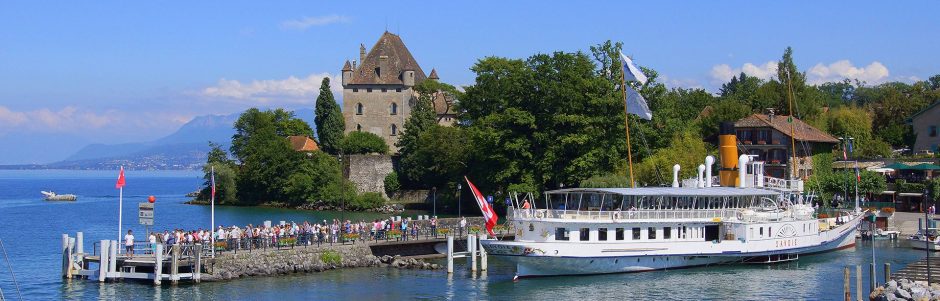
x: 801, y: 130
x: 397, y: 59
x: 433, y: 74
x: 347, y: 66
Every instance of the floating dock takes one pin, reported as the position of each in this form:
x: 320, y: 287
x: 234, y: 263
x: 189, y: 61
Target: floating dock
x: 105, y: 263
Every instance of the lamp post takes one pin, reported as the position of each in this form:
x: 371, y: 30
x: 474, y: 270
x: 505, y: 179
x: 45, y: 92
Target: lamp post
x: 434, y: 199
x: 926, y: 232
x: 458, y: 199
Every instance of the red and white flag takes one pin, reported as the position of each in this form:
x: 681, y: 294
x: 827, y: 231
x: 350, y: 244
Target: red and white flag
x: 120, y: 181
x: 485, y: 207
x: 213, y: 181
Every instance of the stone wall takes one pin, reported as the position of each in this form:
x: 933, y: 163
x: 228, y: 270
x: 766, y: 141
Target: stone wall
x: 368, y: 172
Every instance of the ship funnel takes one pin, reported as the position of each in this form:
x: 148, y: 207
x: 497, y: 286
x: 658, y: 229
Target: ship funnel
x: 701, y: 174
x: 728, y: 152
x: 675, y: 175
x: 742, y: 170
x: 709, y: 161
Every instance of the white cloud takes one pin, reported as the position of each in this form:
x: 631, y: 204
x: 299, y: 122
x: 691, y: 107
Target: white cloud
x: 76, y: 120
x: 687, y: 83
x: 291, y: 90
x: 723, y: 73
x: 874, y: 73
x: 307, y: 22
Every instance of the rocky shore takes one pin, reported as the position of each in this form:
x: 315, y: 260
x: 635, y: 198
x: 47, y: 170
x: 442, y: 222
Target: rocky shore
x: 302, y: 260
x: 903, y: 289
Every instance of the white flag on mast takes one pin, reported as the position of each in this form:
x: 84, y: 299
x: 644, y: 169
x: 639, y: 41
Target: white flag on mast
x: 636, y: 104
x: 630, y: 71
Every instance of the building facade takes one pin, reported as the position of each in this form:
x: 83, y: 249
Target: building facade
x: 378, y: 92
x: 767, y: 137
x: 926, y: 125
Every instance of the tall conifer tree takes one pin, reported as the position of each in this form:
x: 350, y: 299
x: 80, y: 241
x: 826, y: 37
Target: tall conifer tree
x: 329, y: 120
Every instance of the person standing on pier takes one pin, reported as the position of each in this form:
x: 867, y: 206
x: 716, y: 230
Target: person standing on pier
x: 129, y: 243
x: 152, y: 239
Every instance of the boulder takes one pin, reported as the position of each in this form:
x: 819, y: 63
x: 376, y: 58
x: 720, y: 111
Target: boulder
x: 902, y: 293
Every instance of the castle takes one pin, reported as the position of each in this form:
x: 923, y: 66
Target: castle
x: 378, y: 93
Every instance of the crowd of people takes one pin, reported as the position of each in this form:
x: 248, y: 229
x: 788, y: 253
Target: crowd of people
x: 306, y: 233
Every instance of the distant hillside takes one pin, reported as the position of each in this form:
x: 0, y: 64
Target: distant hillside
x: 184, y: 149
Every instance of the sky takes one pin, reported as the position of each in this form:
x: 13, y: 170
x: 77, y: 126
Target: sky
x: 79, y: 72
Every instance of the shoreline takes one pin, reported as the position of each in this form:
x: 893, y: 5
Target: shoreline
x: 385, y: 209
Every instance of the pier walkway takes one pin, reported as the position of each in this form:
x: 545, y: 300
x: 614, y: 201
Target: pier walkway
x: 917, y: 271
x: 107, y: 260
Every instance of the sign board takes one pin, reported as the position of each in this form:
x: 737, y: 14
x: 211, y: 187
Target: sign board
x: 145, y: 213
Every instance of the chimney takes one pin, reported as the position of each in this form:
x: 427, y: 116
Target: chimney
x: 362, y: 53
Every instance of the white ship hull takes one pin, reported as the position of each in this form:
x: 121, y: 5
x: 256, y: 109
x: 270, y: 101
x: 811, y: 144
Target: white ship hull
x: 566, y: 258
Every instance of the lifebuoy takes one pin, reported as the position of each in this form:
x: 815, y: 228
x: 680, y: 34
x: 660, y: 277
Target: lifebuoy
x: 617, y: 215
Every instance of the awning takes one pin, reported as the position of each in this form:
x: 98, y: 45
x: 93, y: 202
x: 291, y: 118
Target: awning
x: 925, y: 166
x: 888, y: 192
x: 911, y: 194
x: 898, y: 166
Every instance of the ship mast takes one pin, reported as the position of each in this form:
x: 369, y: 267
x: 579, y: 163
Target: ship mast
x: 790, y: 120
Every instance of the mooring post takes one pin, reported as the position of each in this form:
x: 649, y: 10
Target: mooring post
x: 65, y: 254
x: 70, y: 259
x: 846, y: 287
x: 858, y: 281
x: 482, y: 257
x: 874, y: 277
x: 80, y: 243
x: 103, y: 260
x: 198, y: 269
x: 158, y: 265
x: 887, y: 272
x: 175, y: 264
x: 473, y: 252
x: 450, y: 254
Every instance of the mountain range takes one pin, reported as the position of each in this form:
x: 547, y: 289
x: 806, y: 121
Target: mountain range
x: 184, y: 149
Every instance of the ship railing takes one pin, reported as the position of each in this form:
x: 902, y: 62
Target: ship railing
x: 627, y: 215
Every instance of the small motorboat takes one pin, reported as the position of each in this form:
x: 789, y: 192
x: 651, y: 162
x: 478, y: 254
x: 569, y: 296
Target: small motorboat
x: 52, y: 196
x: 921, y: 241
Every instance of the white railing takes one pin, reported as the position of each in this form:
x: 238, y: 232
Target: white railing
x: 626, y: 215
x: 778, y: 183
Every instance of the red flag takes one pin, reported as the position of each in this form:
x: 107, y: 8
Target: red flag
x: 120, y: 182
x: 485, y: 207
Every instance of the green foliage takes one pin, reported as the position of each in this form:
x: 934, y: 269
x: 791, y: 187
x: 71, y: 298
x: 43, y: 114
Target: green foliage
x: 392, y: 184
x: 366, y: 200
x: 904, y: 186
x: 318, y: 177
x: 439, y: 157
x: 331, y: 257
x: 422, y: 119
x: 828, y: 184
x: 329, y: 120
x: 687, y: 149
x: 364, y: 143
x: 822, y: 163
x: 934, y: 187
x: 725, y: 110
x: 606, y: 181
x: 225, y: 177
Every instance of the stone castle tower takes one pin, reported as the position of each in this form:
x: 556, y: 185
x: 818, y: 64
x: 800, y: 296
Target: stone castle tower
x: 378, y: 93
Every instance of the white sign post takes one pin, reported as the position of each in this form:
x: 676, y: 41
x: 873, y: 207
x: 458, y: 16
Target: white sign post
x: 145, y: 213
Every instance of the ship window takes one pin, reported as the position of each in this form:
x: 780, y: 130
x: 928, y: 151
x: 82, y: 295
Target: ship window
x: 636, y: 233
x: 585, y: 234
x: 561, y: 234
x: 602, y: 234
x: 769, y: 232
x: 619, y: 234
x: 667, y: 232
x: 531, y: 227
x: 652, y: 232
x: 384, y: 90
x: 761, y: 231
x: 684, y: 233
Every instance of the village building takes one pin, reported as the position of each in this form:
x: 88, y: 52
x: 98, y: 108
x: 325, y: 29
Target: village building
x: 767, y: 137
x: 378, y: 92
x: 303, y: 144
x: 926, y: 125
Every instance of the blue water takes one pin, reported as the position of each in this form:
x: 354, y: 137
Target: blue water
x: 31, y: 231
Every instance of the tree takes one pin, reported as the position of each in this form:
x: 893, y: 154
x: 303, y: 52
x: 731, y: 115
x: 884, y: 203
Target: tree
x: 329, y: 119
x: 687, y: 149
x: 363, y: 143
x: 225, y: 176
x: 440, y: 158
x: 423, y: 117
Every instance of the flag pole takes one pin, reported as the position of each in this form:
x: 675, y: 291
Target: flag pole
x: 792, y: 139
x: 120, y: 207
x: 626, y: 121
x: 212, y: 206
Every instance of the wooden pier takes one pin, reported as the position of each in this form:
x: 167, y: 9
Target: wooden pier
x: 107, y: 263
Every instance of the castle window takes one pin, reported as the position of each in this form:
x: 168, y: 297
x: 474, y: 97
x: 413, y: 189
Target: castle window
x: 394, y: 130
x: 384, y: 90
x: 369, y: 90
x: 358, y: 127
x: 355, y: 90
x: 397, y: 89
x: 394, y: 108
x: 359, y: 109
